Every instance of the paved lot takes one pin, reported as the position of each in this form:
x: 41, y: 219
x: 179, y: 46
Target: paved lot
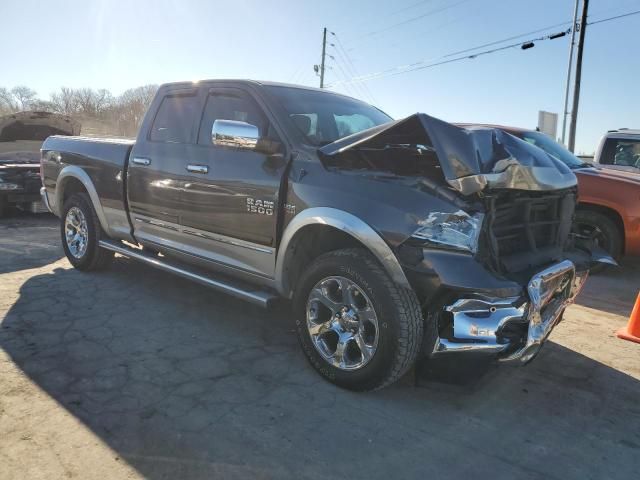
x: 134, y: 373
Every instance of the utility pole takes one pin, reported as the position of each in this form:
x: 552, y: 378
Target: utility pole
x: 576, y: 87
x: 569, y: 68
x: 324, y: 52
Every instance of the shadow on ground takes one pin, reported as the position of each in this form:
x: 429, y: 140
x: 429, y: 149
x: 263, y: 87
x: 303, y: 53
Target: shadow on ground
x: 28, y: 241
x: 621, y: 285
x: 184, y: 383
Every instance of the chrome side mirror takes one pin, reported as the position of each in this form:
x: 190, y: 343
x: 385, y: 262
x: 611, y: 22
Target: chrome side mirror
x: 232, y: 133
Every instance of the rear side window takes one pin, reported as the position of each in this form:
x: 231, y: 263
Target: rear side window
x: 175, y: 119
x: 231, y: 104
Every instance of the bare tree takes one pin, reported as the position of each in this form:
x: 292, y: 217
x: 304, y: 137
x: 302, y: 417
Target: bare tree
x: 7, y: 102
x: 103, y: 101
x: 24, y: 96
x: 65, y: 101
x: 86, y: 99
x: 130, y: 108
x: 42, y: 106
x: 106, y: 114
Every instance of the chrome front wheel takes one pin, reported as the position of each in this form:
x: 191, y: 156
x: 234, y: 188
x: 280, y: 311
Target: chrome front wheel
x: 356, y: 326
x: 342, y: 323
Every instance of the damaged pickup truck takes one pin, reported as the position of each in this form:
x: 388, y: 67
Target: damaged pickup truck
x: 21, y: 135
x: 393, y: 239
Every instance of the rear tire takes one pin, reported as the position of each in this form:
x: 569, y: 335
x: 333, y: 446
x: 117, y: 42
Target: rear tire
x: 603, y: 230
x: 81, y: 232
x: 378, y: 323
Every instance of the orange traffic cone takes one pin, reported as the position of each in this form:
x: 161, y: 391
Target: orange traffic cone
x: 632, y: 330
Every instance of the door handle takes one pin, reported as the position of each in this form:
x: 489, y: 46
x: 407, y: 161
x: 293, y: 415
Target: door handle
x: 198, y: 168
x: 141, y: 161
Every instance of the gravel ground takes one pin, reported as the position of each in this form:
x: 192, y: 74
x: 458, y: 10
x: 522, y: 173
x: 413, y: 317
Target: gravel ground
x: 133, y: 373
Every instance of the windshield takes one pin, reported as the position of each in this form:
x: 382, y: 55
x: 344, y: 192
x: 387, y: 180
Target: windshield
x: 553, y: 148
x: 323, y: 117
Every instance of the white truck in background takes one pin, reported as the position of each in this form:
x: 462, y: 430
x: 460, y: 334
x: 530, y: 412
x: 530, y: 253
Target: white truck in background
x: 620, y: 150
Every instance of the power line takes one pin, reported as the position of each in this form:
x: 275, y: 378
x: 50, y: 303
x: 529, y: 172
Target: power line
x: 409, y: 7
x: 353, y: 71
x: 497, y: 42
x: 432, y: 12
x: 347, y: 76
x: 614, y: 18
x: 423, y: 64
x: 395, y: 12
x: 412, y: 19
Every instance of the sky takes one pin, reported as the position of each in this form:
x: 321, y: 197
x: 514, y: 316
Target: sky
x: 117, y: 44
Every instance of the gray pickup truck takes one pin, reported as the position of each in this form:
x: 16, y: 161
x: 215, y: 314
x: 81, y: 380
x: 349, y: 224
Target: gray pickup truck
x: 392, y: 239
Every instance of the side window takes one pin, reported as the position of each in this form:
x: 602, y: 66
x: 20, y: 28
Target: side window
x: 627, y: 153
x: 175, y: 119
x: 307, y: 123
x: 231, y: 105
x: 608, y: 150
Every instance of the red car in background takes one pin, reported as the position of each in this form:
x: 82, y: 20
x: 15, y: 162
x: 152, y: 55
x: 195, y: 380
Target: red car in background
x: 608, y: 207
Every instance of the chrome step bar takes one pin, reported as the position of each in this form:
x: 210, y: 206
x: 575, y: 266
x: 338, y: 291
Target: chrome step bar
x: 258, y: 297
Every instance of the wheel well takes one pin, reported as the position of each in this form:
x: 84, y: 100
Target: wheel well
x: 311, y: 242
x: 71, y: 186
x: 609, y: 212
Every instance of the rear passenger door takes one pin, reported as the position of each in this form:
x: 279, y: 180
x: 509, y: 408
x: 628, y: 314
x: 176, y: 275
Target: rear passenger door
x: 157, y: 172
x: 231, y: 196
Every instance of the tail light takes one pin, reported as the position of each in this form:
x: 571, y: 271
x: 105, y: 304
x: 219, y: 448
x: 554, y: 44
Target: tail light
x: 42, y: 167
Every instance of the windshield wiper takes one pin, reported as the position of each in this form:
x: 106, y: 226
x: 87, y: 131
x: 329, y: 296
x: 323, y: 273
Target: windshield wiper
x: 581, y: 165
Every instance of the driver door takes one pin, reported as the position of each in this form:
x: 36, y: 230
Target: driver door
x: 230, y: 195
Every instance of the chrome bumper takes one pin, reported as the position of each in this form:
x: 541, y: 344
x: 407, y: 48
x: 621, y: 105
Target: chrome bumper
x: 482, y: 325
x: 45, y: 198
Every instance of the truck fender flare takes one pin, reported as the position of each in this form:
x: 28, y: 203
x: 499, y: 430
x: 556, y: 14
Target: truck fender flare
x: 345, y: 222
x: 73, y: 171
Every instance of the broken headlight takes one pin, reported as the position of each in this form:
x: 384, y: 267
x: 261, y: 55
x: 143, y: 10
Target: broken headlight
x: 457, y: 230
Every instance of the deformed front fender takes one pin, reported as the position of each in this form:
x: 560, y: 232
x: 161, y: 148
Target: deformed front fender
x: 345, y: 222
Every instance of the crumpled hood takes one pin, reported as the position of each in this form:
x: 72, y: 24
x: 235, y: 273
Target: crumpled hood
x: 472, y: 159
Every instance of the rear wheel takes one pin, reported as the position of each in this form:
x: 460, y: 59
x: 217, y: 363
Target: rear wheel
x: 357, y: 328
x: 602, y: 230
x: 81, y: 232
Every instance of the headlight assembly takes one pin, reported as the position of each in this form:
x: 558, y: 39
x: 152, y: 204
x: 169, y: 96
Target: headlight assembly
x: 457, y: 230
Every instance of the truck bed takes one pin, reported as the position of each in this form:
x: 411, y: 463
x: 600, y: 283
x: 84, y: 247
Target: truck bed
x: 20, y: 151
x: 103, y: 160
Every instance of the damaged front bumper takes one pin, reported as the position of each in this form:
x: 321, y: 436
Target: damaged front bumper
x: 513, y: 328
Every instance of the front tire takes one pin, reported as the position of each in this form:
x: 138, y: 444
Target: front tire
x: 602, y: 230
x: 81, y: 233
x: 357, y: 328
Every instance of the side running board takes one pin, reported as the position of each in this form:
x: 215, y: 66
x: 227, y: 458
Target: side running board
x: 258, y: 297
